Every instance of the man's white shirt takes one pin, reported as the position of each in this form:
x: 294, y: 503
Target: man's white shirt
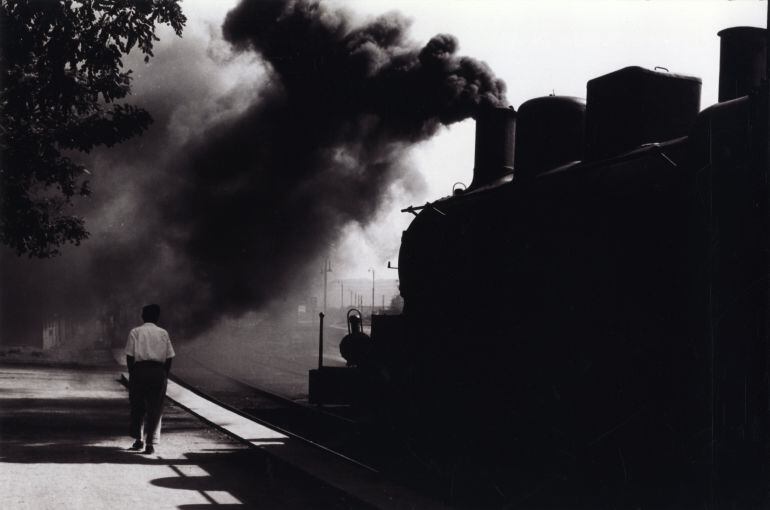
x: 149, y: 342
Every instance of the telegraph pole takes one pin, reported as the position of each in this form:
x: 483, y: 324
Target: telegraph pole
x: 326, y: 269
x: 372, y: 270
x: 764, y: 418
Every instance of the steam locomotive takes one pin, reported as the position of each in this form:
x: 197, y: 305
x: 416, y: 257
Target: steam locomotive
x: 588, y: 320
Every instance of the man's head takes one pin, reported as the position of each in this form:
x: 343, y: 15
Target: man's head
x: 151, y: 313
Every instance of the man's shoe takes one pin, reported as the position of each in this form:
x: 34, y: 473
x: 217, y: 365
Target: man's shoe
x: 150, y: 449
x: 137, y: 446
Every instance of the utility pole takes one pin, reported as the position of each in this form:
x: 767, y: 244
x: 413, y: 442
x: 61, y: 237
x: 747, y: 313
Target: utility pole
x: 764, y: 418
x: 342, y: 295
x: 326, y: 269
x: 321, y: 341
x: 372, y: 270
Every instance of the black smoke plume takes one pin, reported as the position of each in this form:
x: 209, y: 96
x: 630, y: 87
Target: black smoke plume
x: 233, y: 217
x: 266, y: 192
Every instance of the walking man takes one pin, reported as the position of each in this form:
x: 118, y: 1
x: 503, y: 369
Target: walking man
x: 148, y: 355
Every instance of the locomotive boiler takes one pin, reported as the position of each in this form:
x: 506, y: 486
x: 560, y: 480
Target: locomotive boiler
x: 588, y: 320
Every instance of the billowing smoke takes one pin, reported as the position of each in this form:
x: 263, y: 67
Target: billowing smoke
x: 231, y: 216
x: 317, y: 149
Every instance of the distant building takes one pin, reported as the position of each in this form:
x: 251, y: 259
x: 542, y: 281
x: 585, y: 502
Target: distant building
x: 55, y: 333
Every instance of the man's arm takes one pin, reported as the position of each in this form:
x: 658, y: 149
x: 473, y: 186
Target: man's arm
x: 169, y: 354
x: 130, y: 352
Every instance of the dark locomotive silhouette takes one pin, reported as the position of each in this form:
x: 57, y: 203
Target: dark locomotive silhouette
x: 589, y: 318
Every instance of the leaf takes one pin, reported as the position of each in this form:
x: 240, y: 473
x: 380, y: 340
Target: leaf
x: 61, y: 64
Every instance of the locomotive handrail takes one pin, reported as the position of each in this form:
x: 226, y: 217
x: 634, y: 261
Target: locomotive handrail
x: 413, y: 208
x: 656, y: 148
x: 660, y: 152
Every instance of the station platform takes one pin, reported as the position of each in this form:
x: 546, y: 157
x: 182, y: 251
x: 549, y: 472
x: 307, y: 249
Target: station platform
x: 63, y: 444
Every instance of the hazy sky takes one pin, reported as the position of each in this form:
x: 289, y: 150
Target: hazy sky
x: 537, y: 47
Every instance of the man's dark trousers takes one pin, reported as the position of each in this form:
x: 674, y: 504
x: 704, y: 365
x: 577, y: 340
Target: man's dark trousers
x: 146, y: 391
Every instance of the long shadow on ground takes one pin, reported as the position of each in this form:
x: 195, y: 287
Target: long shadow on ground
x: 68, y: 431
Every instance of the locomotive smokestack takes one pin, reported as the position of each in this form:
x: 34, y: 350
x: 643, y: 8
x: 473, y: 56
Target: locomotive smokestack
x: 742, y: 61
x: 495, y: 142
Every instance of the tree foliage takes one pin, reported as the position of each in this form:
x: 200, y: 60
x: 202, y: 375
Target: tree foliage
x: 62, y: 84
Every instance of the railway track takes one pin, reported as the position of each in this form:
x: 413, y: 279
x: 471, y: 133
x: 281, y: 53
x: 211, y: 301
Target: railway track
x: 291, y: 431
x: 334, y: 432
x: 357, y: 440
x: 338, y: 430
